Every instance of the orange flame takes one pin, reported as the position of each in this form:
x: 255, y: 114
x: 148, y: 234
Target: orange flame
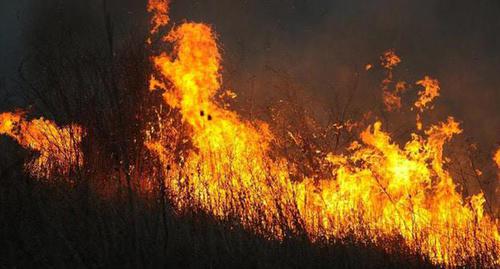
x: 389, y: 59
x: 377, y: 190
x: 496, y: 158
x: 392, y: 99
x: 58, y: 148
x: 159, y: 9
x: 430, y: 92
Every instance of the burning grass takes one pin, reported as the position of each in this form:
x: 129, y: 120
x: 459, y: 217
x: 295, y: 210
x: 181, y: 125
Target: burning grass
x: 203, y: 158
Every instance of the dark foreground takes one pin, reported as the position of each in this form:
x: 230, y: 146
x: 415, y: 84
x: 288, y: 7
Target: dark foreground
x: 51, y: 225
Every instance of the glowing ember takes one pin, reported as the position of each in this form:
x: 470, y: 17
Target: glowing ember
x: 389, y: 59
x: 377, y: 190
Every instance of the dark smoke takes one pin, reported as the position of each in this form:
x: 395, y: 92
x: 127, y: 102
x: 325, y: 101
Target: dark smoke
x: 318, y: 45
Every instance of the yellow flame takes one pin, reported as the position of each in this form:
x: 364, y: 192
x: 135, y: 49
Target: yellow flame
x: 377, y: 190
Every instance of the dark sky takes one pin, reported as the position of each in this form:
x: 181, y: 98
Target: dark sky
x: 318, y: 45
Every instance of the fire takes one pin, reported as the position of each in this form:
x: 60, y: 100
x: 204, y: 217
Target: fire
x: 392, y: 98
x: 389, y: 59
x: 228, y: 174
x: 496, y: 158
x: 57, y: 147
x: 159, y: 9
x: 401, y: 191
x: 430, y: 92
x: 377, y: 189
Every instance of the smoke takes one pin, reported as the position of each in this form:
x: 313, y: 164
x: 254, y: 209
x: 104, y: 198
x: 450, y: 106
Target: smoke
x: 321, y: 44
x: 316, y: 46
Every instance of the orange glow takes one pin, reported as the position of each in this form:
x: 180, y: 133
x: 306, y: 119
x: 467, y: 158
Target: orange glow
x: 392, y: 98
x: 377, y: 189
x: 58, y: 148
x: 159, y: 9
x: 431, y: 91
x: 496, y: 158
x: 389, y: 59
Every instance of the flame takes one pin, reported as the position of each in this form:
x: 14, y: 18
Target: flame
x: 228, y: 174
x: 159, y: 9
x: 496, y: 158
x: 389, y: 59
x: 57, y: 147
x: 377, y: 190
x: 430, y: 92
x: 392, y: 99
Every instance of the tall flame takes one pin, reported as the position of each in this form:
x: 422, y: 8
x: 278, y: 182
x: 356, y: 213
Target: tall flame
x: 228, y: 173
x: 377, y: 190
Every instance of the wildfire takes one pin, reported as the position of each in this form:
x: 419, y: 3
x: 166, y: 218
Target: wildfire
x: 377, y: 190
x: 57, y: 147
